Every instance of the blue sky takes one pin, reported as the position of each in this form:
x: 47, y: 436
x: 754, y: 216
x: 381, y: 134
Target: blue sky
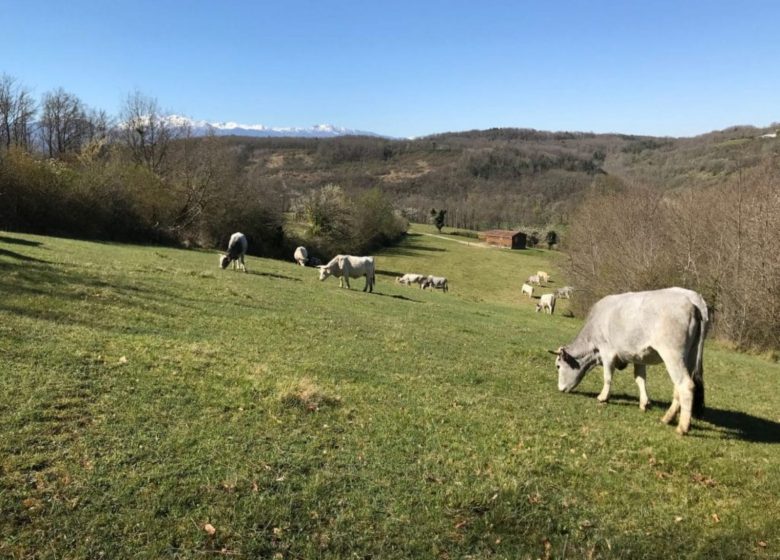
x: 409, y: 68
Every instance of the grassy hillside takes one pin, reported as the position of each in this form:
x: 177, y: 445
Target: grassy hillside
x: 155, y: 406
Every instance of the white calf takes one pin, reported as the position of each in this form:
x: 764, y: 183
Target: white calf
x: 546, y: 302
x: 527, y: 290
x: 301, y: 256
x: 436, y: 283
x: 409, y: 279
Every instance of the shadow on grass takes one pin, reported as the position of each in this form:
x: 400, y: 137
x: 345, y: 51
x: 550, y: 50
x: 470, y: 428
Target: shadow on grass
x: 19, y: 256
x: 80, y: 288
x: 411, y: 251
x: 17, y: 241
x: 274, y: 275
x: 732, y: 424
x: 396, y: 296
x: 388, y: 273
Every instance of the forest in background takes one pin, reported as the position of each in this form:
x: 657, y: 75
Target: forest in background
x: 634, y: 212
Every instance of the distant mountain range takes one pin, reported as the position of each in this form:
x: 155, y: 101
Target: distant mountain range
x: 201, y: 128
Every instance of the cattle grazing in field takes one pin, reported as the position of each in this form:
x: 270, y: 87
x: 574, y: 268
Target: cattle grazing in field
x: 527, y: 290
x: 301, y: 256
x: 643, y: 328
x: 409, y: 279
x: 236, y: 250
x: 345, y: 267
x: 546, y: 302
x: 534, y: 279
x: 543, y: 276
x: 436, y: 283
x: 564, y: 293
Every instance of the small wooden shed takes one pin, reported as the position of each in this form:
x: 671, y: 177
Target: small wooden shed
x: 504, y: 238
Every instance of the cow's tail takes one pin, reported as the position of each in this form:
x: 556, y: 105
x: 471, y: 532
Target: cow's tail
x: 698, y: 367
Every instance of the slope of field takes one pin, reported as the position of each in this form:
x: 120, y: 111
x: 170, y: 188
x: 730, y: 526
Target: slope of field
x: 155, y: 406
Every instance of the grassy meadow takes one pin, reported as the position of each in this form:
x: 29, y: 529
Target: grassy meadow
x: 155, y: 406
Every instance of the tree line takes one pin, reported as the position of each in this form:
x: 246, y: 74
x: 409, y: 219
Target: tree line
x: 68, y: 169
x: 722, y: 241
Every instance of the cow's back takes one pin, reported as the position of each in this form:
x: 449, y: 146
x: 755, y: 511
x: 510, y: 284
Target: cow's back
x: 636, y: 320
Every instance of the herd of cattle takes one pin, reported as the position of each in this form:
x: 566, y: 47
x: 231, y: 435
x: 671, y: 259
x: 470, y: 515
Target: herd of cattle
x: 641, y: 328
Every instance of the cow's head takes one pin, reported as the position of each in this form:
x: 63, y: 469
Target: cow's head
x: 224, y: 261
x: 324, y: 272
x: 570, y: 369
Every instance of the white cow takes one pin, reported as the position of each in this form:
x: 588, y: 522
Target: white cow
x: 543, y: 276
x: 546, y: 302
x: 409, y: 279
x: 345, y: 267
x: 643, y: 328
x: 527, y: 290
x: 301, y: 256
x: 237, y: 247
x: 564, y: 293
x: 534, y: 280
x: 436, y: 283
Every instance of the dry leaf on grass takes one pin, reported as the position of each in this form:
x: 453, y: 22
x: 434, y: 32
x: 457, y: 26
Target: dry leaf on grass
x: 209, y: 528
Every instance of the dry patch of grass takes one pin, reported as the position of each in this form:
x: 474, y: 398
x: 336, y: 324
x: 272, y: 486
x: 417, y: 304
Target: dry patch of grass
x: 304, y: 394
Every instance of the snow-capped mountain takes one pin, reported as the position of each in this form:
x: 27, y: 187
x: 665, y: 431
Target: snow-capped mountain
x: 202, y: 127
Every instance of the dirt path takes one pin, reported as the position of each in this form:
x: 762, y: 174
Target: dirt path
x: 469, y: 243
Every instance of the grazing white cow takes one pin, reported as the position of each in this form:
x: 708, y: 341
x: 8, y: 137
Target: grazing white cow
x: 546, y: 302
x: 409, y: 279
x: 543, y: 276
x: 436, y: 283
x: 564, y: 293
x: 534, y: 279
x: 527, y: 290
x: 345, y: 267
x: 643, y: 328
x: 236, y: 250
x: 301, y: 256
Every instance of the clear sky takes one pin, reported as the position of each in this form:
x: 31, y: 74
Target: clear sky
x: 409, y: 68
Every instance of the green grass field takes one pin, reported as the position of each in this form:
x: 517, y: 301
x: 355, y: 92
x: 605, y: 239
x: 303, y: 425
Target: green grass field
x: 154, y: 406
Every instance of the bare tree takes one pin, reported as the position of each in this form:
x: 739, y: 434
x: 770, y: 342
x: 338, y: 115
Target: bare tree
x: 63, y: 126
x: 146, y: 131
x: 17, y: 109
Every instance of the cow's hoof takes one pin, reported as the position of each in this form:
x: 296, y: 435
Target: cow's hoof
x: 602, y: 399
x: 680, y: 431
x: 644, y: 407
x: 665, y: 419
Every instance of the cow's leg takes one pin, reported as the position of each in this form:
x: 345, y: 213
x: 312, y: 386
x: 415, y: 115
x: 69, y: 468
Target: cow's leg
x: 683, y: 393
x: 640, y: 376
x: 685, y: 389
x: 346, y: 281
x: 243, y: 264
x: 604, y: 395
x: 673, y: 409
x: 365, y: 288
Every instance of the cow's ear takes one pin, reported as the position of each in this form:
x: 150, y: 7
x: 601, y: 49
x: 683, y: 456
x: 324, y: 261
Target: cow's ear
x: 557, y: 352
